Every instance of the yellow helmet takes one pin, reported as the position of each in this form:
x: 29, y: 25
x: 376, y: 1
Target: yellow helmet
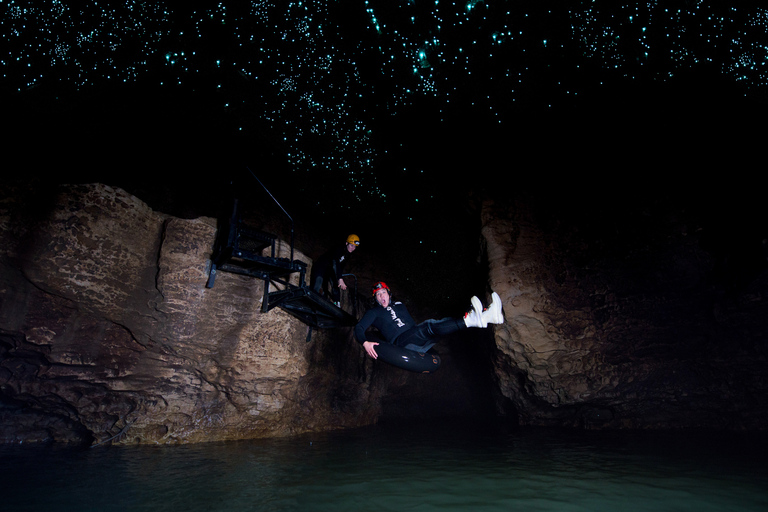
x: 353, y: 239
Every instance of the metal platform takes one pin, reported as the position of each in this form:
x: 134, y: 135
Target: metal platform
x: 309, y: 307
x: 240, y: 249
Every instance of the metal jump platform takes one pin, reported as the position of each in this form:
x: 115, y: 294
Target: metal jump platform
x: 240, y: 249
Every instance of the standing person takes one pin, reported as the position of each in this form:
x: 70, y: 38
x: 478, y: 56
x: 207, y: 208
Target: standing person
x: 329, y: 269
x: 398, y: 327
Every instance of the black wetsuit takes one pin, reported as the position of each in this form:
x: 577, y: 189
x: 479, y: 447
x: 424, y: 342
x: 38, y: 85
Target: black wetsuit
x: 398, y: 327
x: 328, y: 269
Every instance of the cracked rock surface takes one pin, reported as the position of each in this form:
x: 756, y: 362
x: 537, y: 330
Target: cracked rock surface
x: 616, y: 317
x: 107, y: 332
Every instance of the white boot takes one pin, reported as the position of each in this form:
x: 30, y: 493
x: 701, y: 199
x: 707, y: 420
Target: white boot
x: 474, y: 318
x: 493, y: 314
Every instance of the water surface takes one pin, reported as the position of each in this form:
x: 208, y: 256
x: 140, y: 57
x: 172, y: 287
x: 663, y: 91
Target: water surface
x: 443, y: 466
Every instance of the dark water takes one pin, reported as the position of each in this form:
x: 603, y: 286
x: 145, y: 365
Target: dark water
x: 434, y: 467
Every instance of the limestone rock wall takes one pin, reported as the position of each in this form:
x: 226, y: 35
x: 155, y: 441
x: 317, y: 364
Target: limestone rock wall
x: 107, y: 331
x: 615, y: 317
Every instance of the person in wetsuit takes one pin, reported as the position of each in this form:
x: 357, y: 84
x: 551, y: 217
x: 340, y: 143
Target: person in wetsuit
x: 397, y: 326
x: 329, y: 269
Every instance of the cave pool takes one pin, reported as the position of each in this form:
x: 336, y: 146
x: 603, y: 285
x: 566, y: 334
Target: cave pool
x: 420, y: 466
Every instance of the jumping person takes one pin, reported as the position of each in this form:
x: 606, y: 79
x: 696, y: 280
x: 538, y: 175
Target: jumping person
x: 398, y: 327
x: 329, y: 269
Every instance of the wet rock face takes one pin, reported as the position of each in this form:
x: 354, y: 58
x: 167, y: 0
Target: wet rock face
x: 107, y: 330
x: 617, y: 318
x: 641, y: 317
